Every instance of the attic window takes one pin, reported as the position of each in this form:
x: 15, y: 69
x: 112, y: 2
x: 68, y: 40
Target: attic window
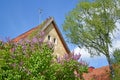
x: 49, y: 38
x: 55, y: 40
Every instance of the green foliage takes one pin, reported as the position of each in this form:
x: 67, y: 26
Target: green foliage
x: 116, y: 55
x: 69, y: 69
x: 116, y: 67
x: 93, y: 22
x: 23, y: 62
x: 91, y: 25
x: 33, y: 60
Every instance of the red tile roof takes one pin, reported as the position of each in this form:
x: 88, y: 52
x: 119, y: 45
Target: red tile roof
x: 102, y: 73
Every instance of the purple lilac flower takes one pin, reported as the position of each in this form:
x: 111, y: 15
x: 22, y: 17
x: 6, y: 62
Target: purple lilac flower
x: 41, y: 40
x: 66, y: 57
x: 27, y: 41
x: 50, y: 44
x: 20, y: 42
x: 42, y: 33
x: 76, y: 56
x: 24, y: 47
x: 81, y: 62
x: 34, y: 40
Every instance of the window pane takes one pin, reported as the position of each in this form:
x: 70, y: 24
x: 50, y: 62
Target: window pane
x: 49, y: 37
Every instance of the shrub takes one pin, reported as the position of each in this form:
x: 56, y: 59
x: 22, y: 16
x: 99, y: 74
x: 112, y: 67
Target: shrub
x: 70, y: 68
x: 33, y: 60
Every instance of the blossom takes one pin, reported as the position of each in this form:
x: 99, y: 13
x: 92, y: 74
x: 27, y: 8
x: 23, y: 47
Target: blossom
x: 34, y: 40
x: 24, y: 47
x: 76, y: 56
x: 41, y: 40
x: 81, y: 62
x: 27, y: 41
x: 66, y: 57
x: 20, y: 42
x: 42, y: 33
x: 50, y: 44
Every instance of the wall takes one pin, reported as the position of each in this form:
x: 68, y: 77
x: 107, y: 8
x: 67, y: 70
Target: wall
x: 59, y: 49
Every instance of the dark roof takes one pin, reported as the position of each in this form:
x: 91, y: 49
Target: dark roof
x: 43, y: 26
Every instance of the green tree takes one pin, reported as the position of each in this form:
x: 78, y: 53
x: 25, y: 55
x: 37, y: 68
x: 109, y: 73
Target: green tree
x: 91, y: 25
x: 116, y: 54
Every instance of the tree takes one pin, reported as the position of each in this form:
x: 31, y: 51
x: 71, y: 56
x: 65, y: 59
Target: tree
x: 91, y: 25
x: 116, y: 54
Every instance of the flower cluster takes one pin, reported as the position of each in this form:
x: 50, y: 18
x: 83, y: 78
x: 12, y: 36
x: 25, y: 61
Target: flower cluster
x: 73, y: 65
x: 72, y: 56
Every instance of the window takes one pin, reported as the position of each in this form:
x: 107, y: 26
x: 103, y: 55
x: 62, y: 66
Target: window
x: 49, y: 38
x: 55, y: 40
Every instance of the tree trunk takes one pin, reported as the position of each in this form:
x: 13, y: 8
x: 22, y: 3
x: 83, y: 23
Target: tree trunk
x: 110, y: 66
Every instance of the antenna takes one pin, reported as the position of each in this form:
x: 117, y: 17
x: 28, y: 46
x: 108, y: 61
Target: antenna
x: 40, y: 15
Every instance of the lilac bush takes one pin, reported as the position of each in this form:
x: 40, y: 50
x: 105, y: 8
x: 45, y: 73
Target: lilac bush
x: 33, y: 60
x: 26, y: 60
x: 70, y: 67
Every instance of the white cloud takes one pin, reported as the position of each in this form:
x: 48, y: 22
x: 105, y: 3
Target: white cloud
x: 116, y: 44
x: 117, y: 33
x: 116, y: 38
x: 84, y: 53
x: 96, y: 61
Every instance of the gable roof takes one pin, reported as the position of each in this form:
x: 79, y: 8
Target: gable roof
x: 43, y: 27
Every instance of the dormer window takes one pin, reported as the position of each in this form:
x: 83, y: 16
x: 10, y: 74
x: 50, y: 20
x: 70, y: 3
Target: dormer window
x: 55, y: 41
x: 49, y: 38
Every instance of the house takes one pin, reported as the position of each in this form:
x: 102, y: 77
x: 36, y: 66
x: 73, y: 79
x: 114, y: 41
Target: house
x: 52, y: 34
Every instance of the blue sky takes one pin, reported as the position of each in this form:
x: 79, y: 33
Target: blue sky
x: 18, y: 16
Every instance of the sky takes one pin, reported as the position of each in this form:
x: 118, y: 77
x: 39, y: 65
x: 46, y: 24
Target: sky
x: 19, y: 16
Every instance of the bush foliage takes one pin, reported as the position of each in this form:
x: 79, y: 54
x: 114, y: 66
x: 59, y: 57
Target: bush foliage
x: 33, y: 60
